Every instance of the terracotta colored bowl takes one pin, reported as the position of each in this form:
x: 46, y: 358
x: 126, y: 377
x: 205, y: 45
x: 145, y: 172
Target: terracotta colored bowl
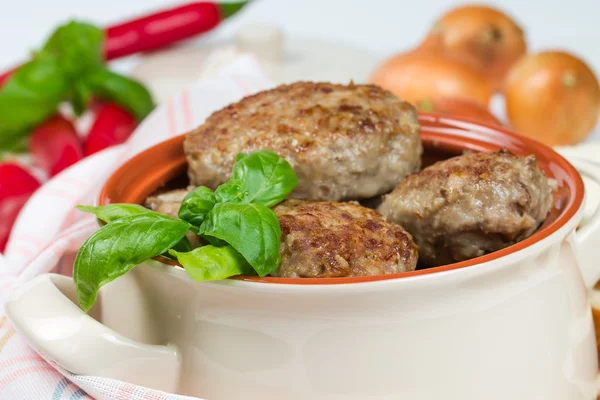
x: 165, y: 165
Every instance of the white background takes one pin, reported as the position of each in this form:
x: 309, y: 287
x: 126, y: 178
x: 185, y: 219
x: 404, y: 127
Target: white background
x: 383, y: 26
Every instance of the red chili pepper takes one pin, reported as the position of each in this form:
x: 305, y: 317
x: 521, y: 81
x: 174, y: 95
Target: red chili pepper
x: 112, y: 126
x: 161, y: 29
x: 16, y: 186
x: 55, y: 145
x: 166, y: 27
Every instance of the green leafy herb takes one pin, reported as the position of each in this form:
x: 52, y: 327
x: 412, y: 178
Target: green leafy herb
x: 113, y: 212
x: 12, y: 142
x: 261, y: 177
x: 31, y: 95
x: 252, y: 229
x: 210, y: 263
x: 214, y: 241
x: 81, y: 96
x: 183, y: 245
x: 243, y: 232
x: 78, y: 47
x: 12, y: 145
x: 118, y: 247
x: 196, y: 205
x: 126, y: 92
x: 68, y: 67
x: 232, y: 191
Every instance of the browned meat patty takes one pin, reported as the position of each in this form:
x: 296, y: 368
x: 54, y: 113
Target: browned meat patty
x: 343, y: 141
x: 470, y: 205
x: 167, y: 203
x: 327, y: 239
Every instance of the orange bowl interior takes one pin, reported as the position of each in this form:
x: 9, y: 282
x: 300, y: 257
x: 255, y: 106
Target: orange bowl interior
x: 164, y: 167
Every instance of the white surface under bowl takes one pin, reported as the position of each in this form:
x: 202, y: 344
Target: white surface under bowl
x: 299, y: 58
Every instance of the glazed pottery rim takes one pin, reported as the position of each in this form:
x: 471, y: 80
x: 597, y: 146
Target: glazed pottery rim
x: 569, y: 211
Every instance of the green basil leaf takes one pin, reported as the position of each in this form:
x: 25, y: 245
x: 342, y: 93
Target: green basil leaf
x: 126, y: 92
x: 214, y: 241
x: 113, y: 212
x: 210, y: 263
x: 183, y: 245
x: 232, y: 191
x: 196, y: 205
x: 16, y: 147
x: 30, y: 96
x: 13, y: 143
x: 252, y: 229
x: 117, y: 247
x: 260, y: 177
x: 78, y: 47
x: 80, y: 97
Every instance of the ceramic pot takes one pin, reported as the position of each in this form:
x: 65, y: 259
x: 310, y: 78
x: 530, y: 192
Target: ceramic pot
x: 513, y: 324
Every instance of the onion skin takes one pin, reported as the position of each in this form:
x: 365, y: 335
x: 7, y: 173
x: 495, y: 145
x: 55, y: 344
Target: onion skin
x: 461, y: 108
x: 422, y: 75
x: 487, y: 35
x: 553, y: 97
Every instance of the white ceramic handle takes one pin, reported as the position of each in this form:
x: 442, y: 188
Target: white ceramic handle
x: 588, y: 234
x: 61, y: 332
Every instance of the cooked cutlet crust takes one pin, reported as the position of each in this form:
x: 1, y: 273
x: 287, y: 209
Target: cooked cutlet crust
x: 326, y: 239
x: 470, y: 205
x: 345, y: 142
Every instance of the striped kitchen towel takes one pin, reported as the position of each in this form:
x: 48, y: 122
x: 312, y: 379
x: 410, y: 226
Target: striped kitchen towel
x: 49, y: 230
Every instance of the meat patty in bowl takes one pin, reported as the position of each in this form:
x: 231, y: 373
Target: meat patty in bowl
x: 345, y: 142
x: 322, y: 239
x: 168, y: 202
x: 470, y: 205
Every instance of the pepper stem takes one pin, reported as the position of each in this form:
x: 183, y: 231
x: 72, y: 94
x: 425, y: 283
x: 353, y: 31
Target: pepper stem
x: 228, y: 9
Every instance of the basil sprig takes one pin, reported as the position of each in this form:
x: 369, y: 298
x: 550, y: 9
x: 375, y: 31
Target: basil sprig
x: 236, y: 219
x: 211, y: 263
x: 78, y: 46
x: 30, y: 96
x: 126, y: 92
x: 113, y: 212
x: 260, y: 178
x: 119, y: 246
x: 251, y: 229
x: 196, y: 206
x: 68, y: 67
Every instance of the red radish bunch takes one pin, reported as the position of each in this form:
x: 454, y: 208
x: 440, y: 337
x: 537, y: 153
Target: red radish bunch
x: 112, y: 125
x: 54, y: 146
x: 16, y: 186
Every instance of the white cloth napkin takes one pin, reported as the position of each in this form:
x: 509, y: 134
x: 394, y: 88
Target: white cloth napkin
x: 49, y: 230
